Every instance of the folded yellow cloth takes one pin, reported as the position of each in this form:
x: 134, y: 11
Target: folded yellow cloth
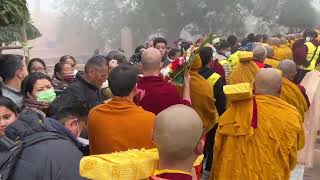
x: 128, y: 165
x: 245, y: 56
x: 238, y: 92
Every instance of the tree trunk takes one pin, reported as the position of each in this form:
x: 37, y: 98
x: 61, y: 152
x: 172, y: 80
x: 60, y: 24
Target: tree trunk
x: 24, y: 40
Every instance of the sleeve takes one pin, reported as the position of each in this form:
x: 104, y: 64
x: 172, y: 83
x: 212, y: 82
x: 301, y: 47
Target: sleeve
x: 220, y: 97
x: 293, y: 156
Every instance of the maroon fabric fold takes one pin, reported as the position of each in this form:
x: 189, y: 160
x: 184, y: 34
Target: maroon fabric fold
x: 254, y: 121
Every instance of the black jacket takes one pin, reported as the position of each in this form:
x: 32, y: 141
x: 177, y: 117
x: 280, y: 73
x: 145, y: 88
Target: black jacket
x: 80, y: 90
x: 219, y: 95
x: 54, y: 159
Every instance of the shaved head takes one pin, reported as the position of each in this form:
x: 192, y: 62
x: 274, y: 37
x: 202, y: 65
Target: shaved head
x: 151, y: 60
x: 260, y: 53
x: 288, y: 68
x: 177, y: 133
x: 268, y: 82
x: 270, y: 52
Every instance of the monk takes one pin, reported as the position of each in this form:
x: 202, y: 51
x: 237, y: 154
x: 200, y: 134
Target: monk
x: 202, y: 96
x: 258, y: 138
x: 269, y: 60
x: 290, y: 92
x: 259, y: 56
x: 280, y: 52
x: 159, y: 93
x: 120, y: 124
x: 179, y: 142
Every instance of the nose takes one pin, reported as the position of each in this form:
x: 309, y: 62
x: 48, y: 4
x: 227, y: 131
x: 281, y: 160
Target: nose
x: 3, y: 123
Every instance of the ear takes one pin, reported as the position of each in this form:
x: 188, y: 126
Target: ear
x: 200, y: 146
x: 19, y: 73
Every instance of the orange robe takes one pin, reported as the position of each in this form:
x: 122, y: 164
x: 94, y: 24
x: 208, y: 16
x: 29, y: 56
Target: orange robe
x: 244, y: 72
x: 119, y: 125
x: 267, y: 152
x: 282, y: 52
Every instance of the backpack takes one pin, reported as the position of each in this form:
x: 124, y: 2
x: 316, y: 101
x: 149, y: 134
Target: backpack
x: 10, y: 150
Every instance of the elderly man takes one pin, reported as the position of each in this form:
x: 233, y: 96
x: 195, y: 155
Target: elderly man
x: 158, y: 94
x: 259, y: 56
x: 177, y: 134
x: 258, y: 138
x: 269, y: 60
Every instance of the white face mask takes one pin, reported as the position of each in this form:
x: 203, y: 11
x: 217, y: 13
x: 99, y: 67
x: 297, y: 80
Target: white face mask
x: 308, y: 39
x: 228, y: 54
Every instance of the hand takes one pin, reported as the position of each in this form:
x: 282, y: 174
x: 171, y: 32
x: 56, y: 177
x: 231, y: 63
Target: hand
x: 187, y: 78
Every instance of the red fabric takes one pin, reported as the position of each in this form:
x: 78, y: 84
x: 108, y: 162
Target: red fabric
x: 218, y: 68
x: 159, y: 94
x: 198, y: 171
x: 300, y: 51
x: 254, y: 121
x: 260, y: 64
x: 171, y: 176
x: 304, y: 92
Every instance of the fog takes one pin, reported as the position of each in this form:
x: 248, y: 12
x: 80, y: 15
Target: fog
x: 79, y: 27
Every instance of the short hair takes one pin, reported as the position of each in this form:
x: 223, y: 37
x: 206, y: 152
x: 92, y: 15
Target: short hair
x: 9, y: 104
x: 70, y: 107
x: 258, y: 37
x: 95, y: 62
x: 251, y: 37
x: 58, y: 68
x: 306, y: 33
x: 9, y: 65
x: 260, y: 52
x: 29, y: 82
x: 111, y: 55
x: 138, y: 49
x: 224, y: 45
x: 265, y: 38
x: 232, y: 40
x: 64, y: 59
x: 172, y: 53
x: 122, y: 80
x: 185, y: 45
x: 121, y: 58
x: 159, y: 40
x: 206, y: 55
x: 36, y: 60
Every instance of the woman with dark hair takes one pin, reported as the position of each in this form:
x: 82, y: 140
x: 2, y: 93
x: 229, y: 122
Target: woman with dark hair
x: 62, y: 77
x: 37, y: 65
x: 8, y: 113
x: 38, y: 92
x: 70, y: 60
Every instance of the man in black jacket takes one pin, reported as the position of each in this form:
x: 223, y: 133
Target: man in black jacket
x: 217, y: 83
x: 53, y: 155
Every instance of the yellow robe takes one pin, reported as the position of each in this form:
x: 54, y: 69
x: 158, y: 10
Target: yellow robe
x: 282, y: 52
x: 267, y: 152
x: 271, y: 62
x: 244, y: 72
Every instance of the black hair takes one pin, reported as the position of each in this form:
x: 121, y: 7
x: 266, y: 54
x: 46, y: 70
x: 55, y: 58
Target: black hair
x: 95, y: 62
x: 265, y: 38
x: 314, y: 34
x: 232, y: 40
x: 29, y: 82
x: 122, y: 80
x: 9, y: 65
x: 138, y: 49
x: 251, y: 37
x: 9, y: 104
x: 306, y: 33
x: 121, y: 58
x: 224, y: 45
x: 159, y: 40
x: 64, y: 59
x: 58, y: 68
x: 135, y: 59
x: 36, y: 60
x: 172, y: 53
x: 111, y: 55
x: 70, y: 107
x: 205, y: 55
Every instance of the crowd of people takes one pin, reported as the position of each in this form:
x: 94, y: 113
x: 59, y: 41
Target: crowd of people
x: 118, y: 103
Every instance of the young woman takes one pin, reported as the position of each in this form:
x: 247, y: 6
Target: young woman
x: 37, y: 65
x: 62, y: 77
x: 8, y: 113
x: 69, y: 60
x: 38, y: 91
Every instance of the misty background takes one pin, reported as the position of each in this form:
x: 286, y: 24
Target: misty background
x: 79, y: 27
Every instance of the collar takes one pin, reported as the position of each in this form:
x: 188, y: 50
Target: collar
x: 3, y: 85
x: 80, y: 77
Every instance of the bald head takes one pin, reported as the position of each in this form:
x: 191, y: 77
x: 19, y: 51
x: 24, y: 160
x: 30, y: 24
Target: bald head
x: 276, y: 42
x: 288, y: 68
x: 270, y: 52
x: 177, y: 132
x: 268, y: 82
x: 151, y: 60
x: 260, y: 53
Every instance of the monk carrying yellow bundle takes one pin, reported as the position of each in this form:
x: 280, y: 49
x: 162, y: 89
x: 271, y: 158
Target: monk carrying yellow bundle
x: 258, y: 138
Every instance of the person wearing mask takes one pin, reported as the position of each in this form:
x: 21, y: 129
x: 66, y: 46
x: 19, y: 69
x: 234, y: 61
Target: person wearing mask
x: 8, y: 113
x: 37, y: 65
x: 62, y: 77
x: 70, y: 60
x: 120, y: 124
x: 38, y: 92
x: 161, y: 44
x: 13, y: 70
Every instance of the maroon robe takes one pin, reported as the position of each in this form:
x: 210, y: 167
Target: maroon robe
x: 171, y: 176
x: 159, y: 94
